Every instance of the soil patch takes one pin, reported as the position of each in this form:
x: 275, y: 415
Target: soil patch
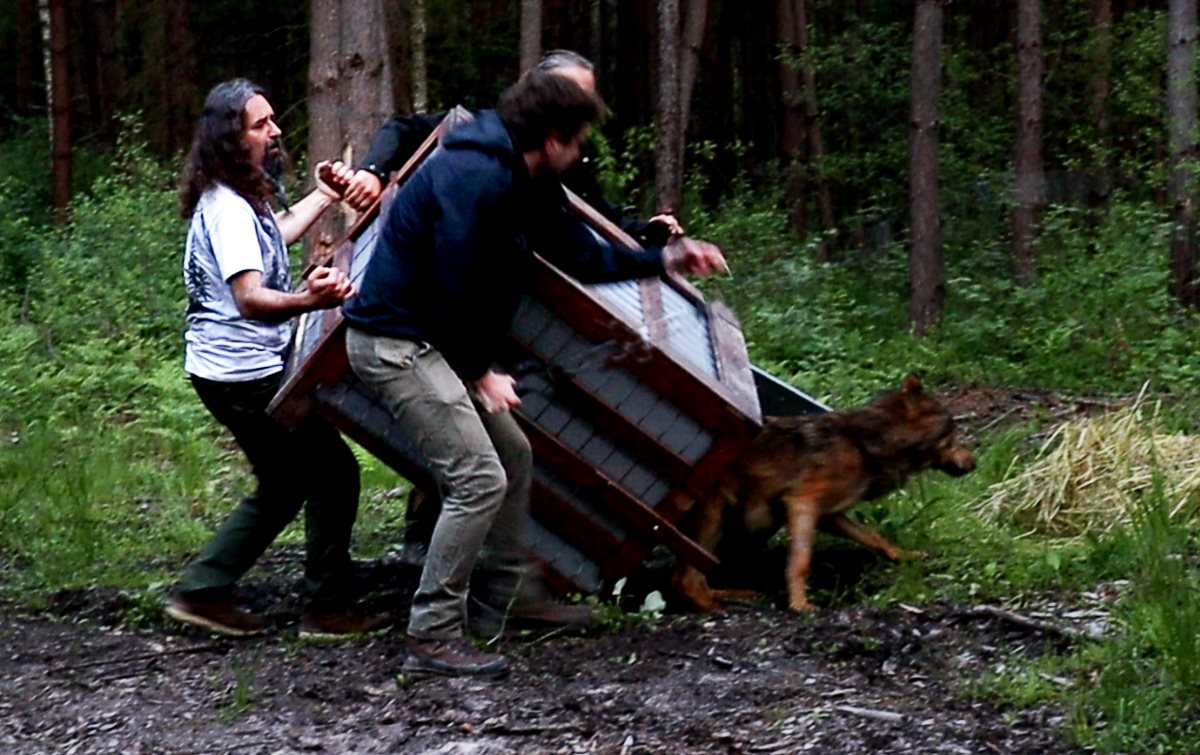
x: 756, y: 679
x: 849, y: 679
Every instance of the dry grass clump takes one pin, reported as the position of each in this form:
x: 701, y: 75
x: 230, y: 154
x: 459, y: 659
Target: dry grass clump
x: 1090, y: 471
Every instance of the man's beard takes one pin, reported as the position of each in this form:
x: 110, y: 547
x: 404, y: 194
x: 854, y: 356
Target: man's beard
x: 275, y: 164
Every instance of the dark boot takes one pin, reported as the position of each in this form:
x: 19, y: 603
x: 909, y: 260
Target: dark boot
x: 219, y: 616
x: 455, y: 657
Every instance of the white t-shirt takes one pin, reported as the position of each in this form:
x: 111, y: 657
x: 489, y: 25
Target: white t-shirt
x: 227, y: 237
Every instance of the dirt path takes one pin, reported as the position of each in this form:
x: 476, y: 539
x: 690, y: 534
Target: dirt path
x: 755, y: 680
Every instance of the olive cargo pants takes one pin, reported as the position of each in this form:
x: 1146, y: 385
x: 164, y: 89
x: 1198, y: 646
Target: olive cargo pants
x: 483, y: 467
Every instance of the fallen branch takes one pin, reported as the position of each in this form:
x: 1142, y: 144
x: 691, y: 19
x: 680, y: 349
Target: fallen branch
x: 886, y: 716
x: 143, y: 657
x: 1040, y: 625
x: 997, y: 420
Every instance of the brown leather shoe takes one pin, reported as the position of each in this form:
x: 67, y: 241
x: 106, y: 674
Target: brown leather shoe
x: 487, y: 620
x: 455, y: 657
x: 220, y: 617
x: 328, y: 626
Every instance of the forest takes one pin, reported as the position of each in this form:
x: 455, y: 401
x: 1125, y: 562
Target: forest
x: 999, y: 195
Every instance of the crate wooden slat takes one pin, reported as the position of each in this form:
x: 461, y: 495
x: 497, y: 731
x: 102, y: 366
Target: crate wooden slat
x: 635, y: 396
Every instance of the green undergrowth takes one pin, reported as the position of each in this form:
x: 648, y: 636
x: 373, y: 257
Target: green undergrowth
x: 1099, y: 319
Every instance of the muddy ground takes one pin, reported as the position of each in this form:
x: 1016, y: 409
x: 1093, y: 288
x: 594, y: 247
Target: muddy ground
x: 98, y: 674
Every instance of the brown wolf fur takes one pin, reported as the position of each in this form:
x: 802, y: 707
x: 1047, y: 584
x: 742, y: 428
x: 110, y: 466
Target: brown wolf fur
x: 808, y: 471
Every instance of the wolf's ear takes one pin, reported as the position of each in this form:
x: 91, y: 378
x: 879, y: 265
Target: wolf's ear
x: 911, y: 384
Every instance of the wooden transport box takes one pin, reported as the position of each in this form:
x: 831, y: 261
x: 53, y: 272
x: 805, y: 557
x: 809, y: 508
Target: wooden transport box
x: 635, y: 396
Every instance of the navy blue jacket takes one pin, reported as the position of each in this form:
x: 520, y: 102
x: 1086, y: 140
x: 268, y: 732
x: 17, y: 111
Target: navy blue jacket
x: 398, y: 138
x: 456, y: 251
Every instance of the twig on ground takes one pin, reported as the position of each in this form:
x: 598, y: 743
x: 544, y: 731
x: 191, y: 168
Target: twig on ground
x: 886, y: 716
x: 143, y: 657
x: 783, y: 744
x: 998, y: 419
x: 1029, y: 622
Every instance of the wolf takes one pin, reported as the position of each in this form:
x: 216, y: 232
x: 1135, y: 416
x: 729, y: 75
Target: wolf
x: 808, y: 471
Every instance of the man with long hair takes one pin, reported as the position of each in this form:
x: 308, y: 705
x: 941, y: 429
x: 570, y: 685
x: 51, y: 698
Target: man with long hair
x: 453, y: 260
x: 240, y: 304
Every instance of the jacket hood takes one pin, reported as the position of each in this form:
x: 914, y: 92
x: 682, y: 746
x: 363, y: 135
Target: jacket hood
x: 486, y: 133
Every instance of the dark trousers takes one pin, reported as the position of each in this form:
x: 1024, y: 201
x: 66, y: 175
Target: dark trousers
x: 311, y: 465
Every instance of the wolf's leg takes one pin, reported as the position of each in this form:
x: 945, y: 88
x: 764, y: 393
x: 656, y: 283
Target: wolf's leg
x: 689, y: 581
x: 802, y: 525
x: 864, y: 535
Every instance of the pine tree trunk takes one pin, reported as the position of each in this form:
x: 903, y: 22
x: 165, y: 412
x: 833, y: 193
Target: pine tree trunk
x: 1101, y: 67
x: 420, y: 69
x: 399, y: 43
x: 694, y: 23
x: 531, y: 33
x: 366, y: 101
x: 668, y: 176
x: 103, y: 76
x: 1029, y: 191
x: 1181, y: 126
x: 791, y: 138
x: 177, y: 71
x: 324, y: 118
x: 812, y: 121
x: 350, y: 93
x: 58, y: 85
x: 926, y: 266
x: 635, y: 76
x: 28, y: 49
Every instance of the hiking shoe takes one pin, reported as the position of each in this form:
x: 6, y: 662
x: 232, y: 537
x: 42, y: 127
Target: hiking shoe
x: 220, y: 617
x: 329, y: 626
x: 455, y: 657
x: 487, y: 620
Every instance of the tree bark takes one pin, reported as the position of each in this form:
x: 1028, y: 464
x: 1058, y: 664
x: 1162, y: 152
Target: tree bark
x: 791, y: 137
x: 531, y: 33
x: 350, y: 92
x: 668, y: 175
x: 1181, y: 137
x: 812, y: 121
x: 635, y: 76
x: 420, y: 68
x: 177, y: 72
x: 28, y: 48
x: 926, y: 265
x: 102, y: 74
x: 58, y: 85
x: 694, y: 23
x: 1101, y: 67
x: 399, y: 41
x: 1029, y: 191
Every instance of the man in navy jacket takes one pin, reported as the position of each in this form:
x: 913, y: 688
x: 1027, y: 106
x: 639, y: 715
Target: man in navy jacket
x: 453, y: 260
x: 396, y: 141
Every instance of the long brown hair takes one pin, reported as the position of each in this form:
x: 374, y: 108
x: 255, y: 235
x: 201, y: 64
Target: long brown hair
x: 218, y: 153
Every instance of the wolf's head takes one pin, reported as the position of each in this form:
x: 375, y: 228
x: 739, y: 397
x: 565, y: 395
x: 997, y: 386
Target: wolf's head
x: 912, y: 424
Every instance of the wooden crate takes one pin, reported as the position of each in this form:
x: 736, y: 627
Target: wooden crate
x: 635, y: 396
